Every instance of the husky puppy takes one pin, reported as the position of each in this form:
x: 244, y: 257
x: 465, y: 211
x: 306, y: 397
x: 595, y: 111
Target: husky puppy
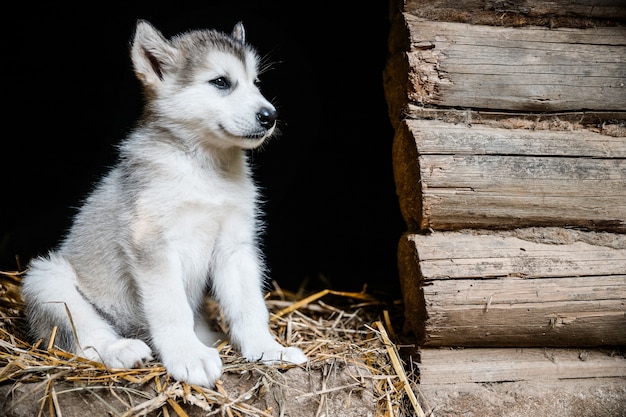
x: 175, y: 218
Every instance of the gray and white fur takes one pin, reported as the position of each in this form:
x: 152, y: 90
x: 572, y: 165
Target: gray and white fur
x: 175, y: 218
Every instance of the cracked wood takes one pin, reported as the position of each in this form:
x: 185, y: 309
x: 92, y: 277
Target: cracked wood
x: 520, y: 69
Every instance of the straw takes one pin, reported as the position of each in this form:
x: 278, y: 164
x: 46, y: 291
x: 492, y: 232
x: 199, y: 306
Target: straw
x: 334, y: 328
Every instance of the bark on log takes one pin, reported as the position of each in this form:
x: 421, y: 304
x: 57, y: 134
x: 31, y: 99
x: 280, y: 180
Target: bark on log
x: 472, y: 290
x: 452, y: 366
x: 452, y: 177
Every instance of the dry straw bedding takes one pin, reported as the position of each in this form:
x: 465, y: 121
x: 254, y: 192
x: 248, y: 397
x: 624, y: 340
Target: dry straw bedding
x: 354, y: 368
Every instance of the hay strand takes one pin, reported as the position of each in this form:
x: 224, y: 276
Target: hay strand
x: 397, y: 365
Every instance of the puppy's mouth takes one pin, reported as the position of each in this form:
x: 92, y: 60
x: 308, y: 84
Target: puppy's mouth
x: 247, y: 140
x: 250, y: 135
x: 256, y: 135
x: 260, y: 132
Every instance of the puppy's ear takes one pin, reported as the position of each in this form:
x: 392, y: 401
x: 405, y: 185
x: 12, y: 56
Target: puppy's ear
x: 239, y: 33
x: 152, y: 55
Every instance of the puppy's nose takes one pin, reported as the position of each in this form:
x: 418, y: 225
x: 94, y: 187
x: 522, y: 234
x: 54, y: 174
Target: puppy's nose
x: 267, y: 117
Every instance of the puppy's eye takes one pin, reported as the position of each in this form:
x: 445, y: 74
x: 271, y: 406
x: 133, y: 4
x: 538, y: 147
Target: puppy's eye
x: 221, y: 82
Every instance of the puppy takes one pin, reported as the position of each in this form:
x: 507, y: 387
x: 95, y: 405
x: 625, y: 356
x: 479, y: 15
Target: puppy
x: 175, y: 218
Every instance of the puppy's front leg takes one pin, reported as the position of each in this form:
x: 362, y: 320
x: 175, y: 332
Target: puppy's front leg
x: 237, y: 285
x: 171, y: 322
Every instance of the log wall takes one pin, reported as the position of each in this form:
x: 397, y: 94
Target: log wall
x: 510, y: 165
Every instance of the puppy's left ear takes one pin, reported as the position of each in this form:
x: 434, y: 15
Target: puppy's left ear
x: 239, y: 33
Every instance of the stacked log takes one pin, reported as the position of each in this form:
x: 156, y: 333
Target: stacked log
x: 510, y: 166
x: 476, y: 289
x: 452, y: 176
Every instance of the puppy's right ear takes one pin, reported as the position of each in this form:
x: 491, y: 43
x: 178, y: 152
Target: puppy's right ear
x: 152, y: 55
x: 239, y: 33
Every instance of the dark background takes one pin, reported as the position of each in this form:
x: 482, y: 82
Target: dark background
x: 69, y: 96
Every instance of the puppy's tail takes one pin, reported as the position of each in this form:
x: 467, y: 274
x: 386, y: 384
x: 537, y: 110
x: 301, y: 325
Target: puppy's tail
x: 49, y: 291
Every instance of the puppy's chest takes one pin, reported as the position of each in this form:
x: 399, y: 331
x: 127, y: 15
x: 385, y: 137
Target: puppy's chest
x: 196, y: 206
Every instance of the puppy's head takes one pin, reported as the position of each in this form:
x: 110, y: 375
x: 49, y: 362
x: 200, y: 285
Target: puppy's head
x: 204, y: 85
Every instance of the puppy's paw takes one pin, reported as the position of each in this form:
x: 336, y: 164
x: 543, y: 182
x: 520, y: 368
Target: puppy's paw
x: 276, y: 353
x: 293, y: 355
x: 198, y: 364
x: 122, y: 353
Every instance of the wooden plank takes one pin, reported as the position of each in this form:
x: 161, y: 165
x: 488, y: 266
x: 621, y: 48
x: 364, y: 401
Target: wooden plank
x: 530, y: 69
x: 451, y: 366
x: 451, y: 176
x: 497, y: 290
